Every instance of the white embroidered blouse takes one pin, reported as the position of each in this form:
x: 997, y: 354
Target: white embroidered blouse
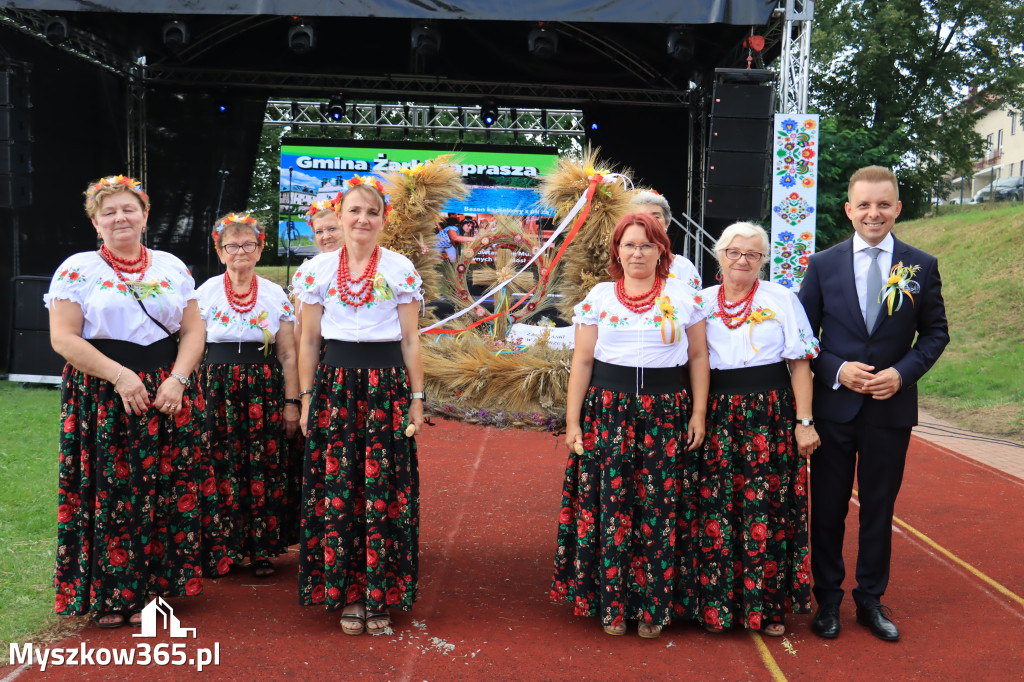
x: 225, y: 324
x: 776, y: 330
x: 396, y: 282
x: 682, y: 269
x: 656, y: 338
x: 108, y: 307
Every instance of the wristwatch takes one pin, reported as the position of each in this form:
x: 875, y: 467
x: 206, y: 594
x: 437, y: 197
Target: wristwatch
x: 417, y: 394
x: 182, y: 378
x: 805, y: 422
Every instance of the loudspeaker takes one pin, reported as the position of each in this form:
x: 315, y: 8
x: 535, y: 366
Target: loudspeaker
x: 14, y: 158
x: 740, y: 134
x: 15, y: 191
x: 737, y: 100
x: 736, y: 203
x: 737, y: 168
x: 14, y: 125
x: 29, y: 313
x: 33, y: 356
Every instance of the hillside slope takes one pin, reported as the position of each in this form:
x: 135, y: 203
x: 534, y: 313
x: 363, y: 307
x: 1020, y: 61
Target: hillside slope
x: 978, y: 382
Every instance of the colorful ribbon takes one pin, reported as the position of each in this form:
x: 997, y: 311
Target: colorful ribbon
x: 667, y: 313
x: 757, y: 317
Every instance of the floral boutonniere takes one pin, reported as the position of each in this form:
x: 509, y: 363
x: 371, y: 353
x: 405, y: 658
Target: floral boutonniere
x: 261, y: 322
x: 668, y: 319
x: 757, y: 317
x: 901, y: 281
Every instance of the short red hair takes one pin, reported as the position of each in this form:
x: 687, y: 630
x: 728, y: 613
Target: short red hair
x: 655, y: 234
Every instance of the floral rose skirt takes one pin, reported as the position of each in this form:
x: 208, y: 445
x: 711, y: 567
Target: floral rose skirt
x: 753, y: 563
x: 623, y: 549
x: 360, y: 493
x: 128, y: 515
x: 245, y: 466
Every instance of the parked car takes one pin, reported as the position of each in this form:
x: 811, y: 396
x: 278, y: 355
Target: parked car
x: 1003, y: 189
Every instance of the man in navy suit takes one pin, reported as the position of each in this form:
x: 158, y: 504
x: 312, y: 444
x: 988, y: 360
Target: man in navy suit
x: 865, y: 392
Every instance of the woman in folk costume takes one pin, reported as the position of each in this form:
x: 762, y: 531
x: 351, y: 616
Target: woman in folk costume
x: 361, y: 405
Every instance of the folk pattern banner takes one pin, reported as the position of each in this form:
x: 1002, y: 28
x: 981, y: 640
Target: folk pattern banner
x: 794, y: 197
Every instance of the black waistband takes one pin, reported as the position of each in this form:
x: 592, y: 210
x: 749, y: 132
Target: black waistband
x: 370, y: 355
x: 139, y: 358
x: 248, y: 353
x: 750, y: 379
x: 650, y: 380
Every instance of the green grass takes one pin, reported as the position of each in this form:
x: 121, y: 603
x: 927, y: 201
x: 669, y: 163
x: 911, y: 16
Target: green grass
x: 979, y: 380
x: 277, y: 273
x: 29, y: 419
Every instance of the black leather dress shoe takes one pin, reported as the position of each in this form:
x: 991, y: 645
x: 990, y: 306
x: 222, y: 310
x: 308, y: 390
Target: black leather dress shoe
x: 878, y: 619
x: 826, y: 621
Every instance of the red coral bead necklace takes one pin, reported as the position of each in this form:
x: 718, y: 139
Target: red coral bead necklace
x: 735, y: 314
x: 356, y: 297
x: 120, y: 266
x: 640, y: 303
x: 238, y: 301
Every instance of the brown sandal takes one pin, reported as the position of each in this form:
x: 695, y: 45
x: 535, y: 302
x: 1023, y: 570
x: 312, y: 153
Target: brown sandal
x: 353, y: 624
x: 383, y: 617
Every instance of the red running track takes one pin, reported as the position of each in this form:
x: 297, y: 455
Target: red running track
x: 490, y: 501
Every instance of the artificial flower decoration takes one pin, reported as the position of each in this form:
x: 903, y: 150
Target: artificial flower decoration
x: 111, y: 181
x: 757, y: 317
x: 901, y: 281
x: 263, y: 323
x: 371, y: 181
x: 241, y: 218
x: 322, y: 205
x: 664, y: 304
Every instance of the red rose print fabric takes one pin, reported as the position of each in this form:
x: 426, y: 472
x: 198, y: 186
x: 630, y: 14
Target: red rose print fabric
x: 751, y: 541
x: 624, y: 526
x: 360, y: 494
x: 129, y: 498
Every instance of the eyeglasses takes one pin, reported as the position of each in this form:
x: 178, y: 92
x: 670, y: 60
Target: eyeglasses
x: 232, y: 249
x: 752, y: 257
x: 645, y: 249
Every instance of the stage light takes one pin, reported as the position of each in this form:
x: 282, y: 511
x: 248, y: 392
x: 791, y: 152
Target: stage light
x: 542, y: 42
x: 488, y: 113
x: 57, y: 30
x: 301, y: 39
x: 680, y: 45
x: 336, y: 108
x: 295, y: 111
x: 426, y: 40
x: 591, y: 122
x: 175, y: 35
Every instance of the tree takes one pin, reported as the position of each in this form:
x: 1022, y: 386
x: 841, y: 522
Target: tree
x: 903, y: 70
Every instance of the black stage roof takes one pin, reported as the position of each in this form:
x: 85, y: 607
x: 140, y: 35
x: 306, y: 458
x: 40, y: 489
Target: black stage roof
x: 610, y: 51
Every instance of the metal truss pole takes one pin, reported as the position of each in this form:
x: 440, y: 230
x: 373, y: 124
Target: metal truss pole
x: 795, y: 66
x: 136, y: 124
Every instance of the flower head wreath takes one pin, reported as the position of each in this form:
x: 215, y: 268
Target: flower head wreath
x: 371, y: 181
x: 321, y: 206
x: 114, y: 181
x: 241, y: 219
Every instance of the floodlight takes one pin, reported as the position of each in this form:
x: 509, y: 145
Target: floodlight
x: 301, y: 39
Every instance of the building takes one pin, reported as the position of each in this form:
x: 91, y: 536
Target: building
x: 1003, y: 130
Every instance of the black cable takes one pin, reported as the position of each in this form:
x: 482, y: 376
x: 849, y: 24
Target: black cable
x: 953, y: 432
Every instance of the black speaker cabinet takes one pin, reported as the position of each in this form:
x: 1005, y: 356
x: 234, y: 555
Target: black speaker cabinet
x: 735, y: 203
x: 15, y: 191
x: 33, y: 358
x: 737, y: 168
x: 740, y: 134
x: 740, y: 100
x: 28, y: 310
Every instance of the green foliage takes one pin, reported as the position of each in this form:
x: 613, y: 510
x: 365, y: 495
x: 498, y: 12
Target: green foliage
x: 902, y: 70
x: 841, y: 152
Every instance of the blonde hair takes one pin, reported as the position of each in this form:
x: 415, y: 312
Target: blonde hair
x: 873, y: 174
x: 99, y: 190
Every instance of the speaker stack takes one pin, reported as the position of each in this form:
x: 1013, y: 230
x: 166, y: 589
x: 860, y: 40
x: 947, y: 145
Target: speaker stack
x: 738, y: 164
x: 15, y: 136
x: 32, y: 358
